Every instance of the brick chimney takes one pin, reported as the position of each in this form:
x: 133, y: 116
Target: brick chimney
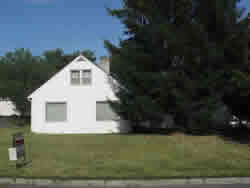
x: 105, y: 64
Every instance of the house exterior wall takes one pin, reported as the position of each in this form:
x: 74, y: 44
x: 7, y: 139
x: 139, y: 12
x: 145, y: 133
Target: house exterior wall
x: 81, y: 103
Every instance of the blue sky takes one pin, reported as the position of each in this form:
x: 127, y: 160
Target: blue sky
x: 41, y: 25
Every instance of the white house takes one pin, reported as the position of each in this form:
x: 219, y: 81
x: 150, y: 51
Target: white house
x: 74, y: 101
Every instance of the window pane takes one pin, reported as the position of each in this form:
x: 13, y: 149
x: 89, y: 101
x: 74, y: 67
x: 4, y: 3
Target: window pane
x: 75, y: 77
x: 104, y: 112
x: 86, y: 77
x: 86, y: 73
x: 56, y: 112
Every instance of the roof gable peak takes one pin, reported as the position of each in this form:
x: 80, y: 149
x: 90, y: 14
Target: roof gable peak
x: 80, y: 58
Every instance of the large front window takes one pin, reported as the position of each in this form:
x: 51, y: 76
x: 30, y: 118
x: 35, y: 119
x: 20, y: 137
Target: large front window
x: 56, y: 112
x: 104, y: 112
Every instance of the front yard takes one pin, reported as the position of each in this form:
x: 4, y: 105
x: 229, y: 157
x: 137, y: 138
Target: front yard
x: 126, y: 156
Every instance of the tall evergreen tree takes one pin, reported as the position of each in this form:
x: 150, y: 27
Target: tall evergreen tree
x: 177, y: 59
x: 239, y: 87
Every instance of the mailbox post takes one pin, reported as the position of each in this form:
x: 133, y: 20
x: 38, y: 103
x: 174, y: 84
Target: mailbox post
x: 18, y: 144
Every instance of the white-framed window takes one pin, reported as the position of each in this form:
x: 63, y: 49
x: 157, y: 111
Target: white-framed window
x: 81, y: 77
x: 86, y: 77
x: 104, y: 112
x: 56, y: 112
x: 75, y: 77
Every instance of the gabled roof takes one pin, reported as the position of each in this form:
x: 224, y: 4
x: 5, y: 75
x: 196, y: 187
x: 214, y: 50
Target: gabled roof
x: 77, y: 59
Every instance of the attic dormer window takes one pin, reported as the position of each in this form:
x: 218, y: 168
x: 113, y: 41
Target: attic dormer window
x: 75, y: 77
x: 86, y: 77
x: 83, y: 77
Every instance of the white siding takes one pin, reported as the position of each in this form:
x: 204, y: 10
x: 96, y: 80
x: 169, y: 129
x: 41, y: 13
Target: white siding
x: 81, y: 103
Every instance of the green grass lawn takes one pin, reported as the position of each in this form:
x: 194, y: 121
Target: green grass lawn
x: 126, y: 156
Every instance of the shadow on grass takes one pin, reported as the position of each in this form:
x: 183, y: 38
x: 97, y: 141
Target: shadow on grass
x: 4, y: 185
x: 151, y: 131
x: 238, y: 134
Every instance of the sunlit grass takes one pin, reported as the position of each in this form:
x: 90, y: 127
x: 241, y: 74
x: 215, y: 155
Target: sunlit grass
x: 126, y: 156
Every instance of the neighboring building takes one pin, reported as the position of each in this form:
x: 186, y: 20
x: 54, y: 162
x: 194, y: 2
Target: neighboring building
x: 7, y: 108
x: 75, y: 101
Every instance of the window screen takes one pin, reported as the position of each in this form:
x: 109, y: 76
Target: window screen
x: 56, y: 112
x: 104, y: 112
x: 75, y: 77
x: 86, y: 77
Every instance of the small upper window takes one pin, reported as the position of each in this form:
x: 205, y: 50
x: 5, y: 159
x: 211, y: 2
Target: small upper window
x: 86, y: 77
x: 75, y: 77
